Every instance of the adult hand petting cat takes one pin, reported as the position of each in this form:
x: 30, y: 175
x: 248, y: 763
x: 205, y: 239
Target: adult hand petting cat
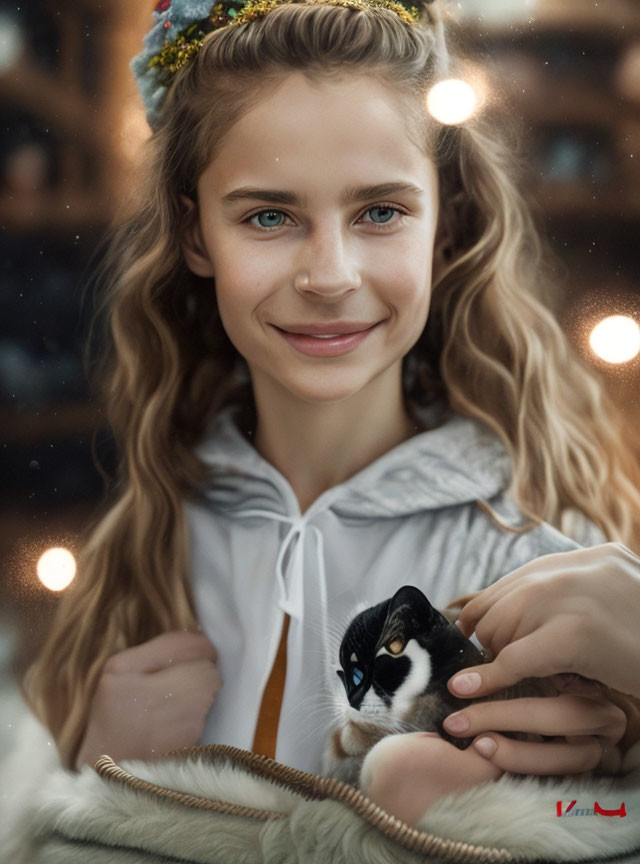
x: 405, y: 774
x: 587, y: 730
x: 152, y: 698
x: 573, y: 612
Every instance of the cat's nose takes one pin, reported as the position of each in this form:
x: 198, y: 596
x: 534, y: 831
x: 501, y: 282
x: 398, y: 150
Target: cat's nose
x: 355, y: 698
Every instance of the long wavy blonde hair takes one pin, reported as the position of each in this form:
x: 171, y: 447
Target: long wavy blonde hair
x: 491, y: 347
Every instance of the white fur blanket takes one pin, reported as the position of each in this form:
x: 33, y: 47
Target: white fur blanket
x: 86, y: 818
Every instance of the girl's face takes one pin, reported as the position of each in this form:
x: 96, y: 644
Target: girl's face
x: 317, y: 219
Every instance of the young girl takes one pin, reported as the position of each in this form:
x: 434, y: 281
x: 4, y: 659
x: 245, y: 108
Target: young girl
x: 330, y: 374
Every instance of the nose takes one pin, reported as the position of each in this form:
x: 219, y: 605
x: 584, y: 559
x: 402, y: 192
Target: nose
x: 355, y: 698
x: 327, y: 267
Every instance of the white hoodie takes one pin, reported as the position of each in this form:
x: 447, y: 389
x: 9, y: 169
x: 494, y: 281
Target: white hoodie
x: 411, y: 517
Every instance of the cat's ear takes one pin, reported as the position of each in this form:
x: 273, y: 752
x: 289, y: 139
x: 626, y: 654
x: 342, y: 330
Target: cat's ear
x: 341, y: 676
x: 412, y: 597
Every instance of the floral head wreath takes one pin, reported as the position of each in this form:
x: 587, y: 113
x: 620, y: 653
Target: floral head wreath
x: 181, y: 26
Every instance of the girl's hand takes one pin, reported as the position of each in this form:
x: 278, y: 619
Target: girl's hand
x: 586, y: 729
x: 405, y: 774
x: 573, y: 612
x: 569, y: 612
x: 152, y: 698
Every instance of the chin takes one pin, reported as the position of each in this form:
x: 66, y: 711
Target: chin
x: 333, y: 385
x: 321, y: 392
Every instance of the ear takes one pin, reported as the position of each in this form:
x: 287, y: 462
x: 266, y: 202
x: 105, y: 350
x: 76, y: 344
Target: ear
x: 413, y: 597
x: 441, y: 251
x: 193, y: 247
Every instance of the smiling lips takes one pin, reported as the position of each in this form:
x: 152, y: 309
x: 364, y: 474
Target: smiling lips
x: 331, y: 328
x: 326, y: 340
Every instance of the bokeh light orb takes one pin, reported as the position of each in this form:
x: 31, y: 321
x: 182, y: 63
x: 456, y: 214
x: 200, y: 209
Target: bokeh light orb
x: 616, y: 339
x: 452, y: 101
x: 56, y: 569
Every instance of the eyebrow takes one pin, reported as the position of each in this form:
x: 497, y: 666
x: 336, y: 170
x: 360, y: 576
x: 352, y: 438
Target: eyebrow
x: 350, y: 196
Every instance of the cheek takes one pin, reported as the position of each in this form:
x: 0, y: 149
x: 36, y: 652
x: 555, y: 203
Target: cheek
x: 409, y: 271
x: 412, y: 301
x: 231, y: 311
x: 239, y: 292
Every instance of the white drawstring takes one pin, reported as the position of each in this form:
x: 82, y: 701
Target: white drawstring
x: 291, y: 587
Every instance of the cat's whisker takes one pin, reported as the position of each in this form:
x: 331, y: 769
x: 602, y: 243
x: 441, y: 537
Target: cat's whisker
x: 312, y: 731
x: 322, y: 714
x: 339, y: 613
x: 319, y: 723
x: 389, y: 654
x: 325, y: 705
x: 338, y: 618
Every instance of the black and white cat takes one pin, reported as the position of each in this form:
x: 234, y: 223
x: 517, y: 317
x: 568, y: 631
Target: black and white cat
x: 396, y: 658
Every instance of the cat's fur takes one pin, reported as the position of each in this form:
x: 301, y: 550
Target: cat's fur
x: 396, y: 658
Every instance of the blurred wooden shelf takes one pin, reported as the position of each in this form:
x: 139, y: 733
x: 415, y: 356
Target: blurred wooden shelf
x: 97, y: 7
x: 67, y: 108
x: 49, y: 423
x: 573, y: 104
x: 615, y: 20
x: 579, y: 201
x: 54, y: 211
x: 84, y: 106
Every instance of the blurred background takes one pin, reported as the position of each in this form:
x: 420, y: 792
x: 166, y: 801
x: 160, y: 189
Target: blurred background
x: 71, y: 128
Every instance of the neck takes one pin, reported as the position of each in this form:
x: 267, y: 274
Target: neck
x: 317, y: 445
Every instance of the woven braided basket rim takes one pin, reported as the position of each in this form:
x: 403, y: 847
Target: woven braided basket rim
x: 311, y: 787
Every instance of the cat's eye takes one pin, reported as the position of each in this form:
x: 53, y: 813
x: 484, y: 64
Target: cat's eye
x: 396, y: 647
x: 356, y: 676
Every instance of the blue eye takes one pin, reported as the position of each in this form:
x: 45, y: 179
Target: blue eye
x: 268, y: 215
x: 357, y: 676
x: 384, y: 209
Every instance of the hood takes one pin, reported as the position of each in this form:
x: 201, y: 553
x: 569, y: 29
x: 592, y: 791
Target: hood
x: 455, y: 463
x: 458, y: 462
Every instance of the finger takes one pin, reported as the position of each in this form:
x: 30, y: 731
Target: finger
x: 504, y: 623
x: 515, y: 662
x: 161, y: 652
x: 565, y: 714
x: 539, y: 568
x: 475, y: 609
x: 478, y: 608
x: 184, y: 679
x: 513, y: 613
x: 573, y: 756
x: 477, y: 681
x: 183, y: 692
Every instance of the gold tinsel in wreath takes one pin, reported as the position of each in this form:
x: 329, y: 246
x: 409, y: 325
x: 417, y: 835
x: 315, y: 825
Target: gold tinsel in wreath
x: 174, y: 55
x: 258, y: 8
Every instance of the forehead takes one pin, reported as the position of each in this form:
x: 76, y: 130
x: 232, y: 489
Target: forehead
x: 320, y: 132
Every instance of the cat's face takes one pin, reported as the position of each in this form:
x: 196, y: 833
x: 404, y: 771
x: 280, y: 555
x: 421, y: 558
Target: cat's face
x: 396, y: 659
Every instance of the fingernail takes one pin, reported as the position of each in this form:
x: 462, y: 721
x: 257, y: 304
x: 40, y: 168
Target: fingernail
x: 486, y: 747
x: 466, y: 684
x: 456, y: 723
